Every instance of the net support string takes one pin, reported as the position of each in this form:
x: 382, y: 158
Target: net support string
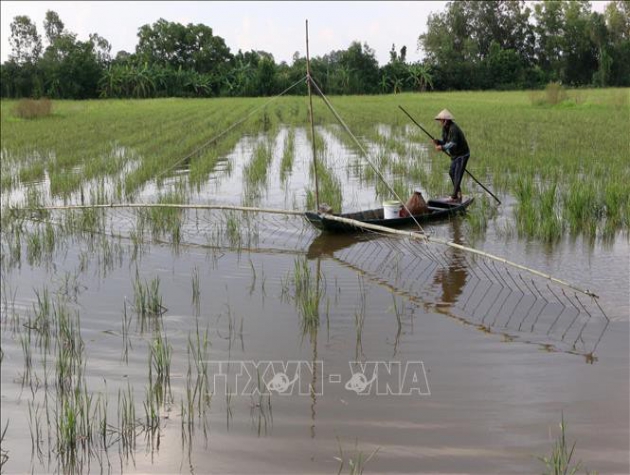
x: 363, y: 151
x: 230, y: 128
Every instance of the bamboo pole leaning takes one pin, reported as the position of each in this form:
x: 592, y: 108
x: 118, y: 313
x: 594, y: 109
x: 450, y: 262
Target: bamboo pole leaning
x: 414, y: 235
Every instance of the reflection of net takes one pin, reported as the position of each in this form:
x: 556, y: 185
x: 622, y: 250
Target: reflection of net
x: 492, y: 296
x: 481, y: 292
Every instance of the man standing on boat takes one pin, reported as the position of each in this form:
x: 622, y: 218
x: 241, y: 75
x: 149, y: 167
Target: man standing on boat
x: 454, y: 143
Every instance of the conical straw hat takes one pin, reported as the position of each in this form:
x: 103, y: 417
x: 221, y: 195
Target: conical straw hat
x: 444, y: 114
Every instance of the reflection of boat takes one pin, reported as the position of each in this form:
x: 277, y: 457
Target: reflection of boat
x: 326, y: 245
x: 438, y: 209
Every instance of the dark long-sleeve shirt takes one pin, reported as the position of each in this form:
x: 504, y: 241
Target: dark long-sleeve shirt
x: 453, y: 141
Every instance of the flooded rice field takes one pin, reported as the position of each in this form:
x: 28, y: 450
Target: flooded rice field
x: 212, y: 341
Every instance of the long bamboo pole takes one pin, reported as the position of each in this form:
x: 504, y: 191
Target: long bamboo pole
x: 310, y: 114
x: 415, y: 235
x: 431, y: 137
x: 165, y: 205
x: 365, y: 154
x: 424, y: 237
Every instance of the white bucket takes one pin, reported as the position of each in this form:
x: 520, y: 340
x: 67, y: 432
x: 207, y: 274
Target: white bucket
x: 391, y: 209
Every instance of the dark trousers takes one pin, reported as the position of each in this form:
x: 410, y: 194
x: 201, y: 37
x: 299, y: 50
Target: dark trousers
x: 456, y: 172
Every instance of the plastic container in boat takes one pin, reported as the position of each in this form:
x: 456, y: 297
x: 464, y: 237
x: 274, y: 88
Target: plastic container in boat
x: 391, y: 209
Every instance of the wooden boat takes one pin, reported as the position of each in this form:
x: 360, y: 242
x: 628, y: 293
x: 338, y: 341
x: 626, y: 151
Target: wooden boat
x: 439, y: 209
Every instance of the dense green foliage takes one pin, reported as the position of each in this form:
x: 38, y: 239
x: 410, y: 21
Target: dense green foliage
x: 502, y: 44
x: 470, y: 45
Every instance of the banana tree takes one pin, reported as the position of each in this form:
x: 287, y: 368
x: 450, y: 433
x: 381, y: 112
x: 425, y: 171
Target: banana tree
x: 420, y: 76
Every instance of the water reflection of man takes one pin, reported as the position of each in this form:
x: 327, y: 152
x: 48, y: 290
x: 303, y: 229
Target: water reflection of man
x: 452, y: 277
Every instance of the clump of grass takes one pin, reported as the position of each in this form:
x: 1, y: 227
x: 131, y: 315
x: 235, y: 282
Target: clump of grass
x: 43, y: 317
x: 286, y: 165
x: 255, y: 172
x: 620, y: 99
x: 307, y: 295
x: 148, y: 301
x: 127, y: 420
x: 356, y: 462
x: 330, y: 191
x: 537, y: 213
x: 555, y: 93
x: 33, y: 108
x: 198, y: 347
x: 70, y: 346
x: 560, y: 460
x: 168, y: 220
x: 160, y: 356
x: 196, y: 293
x: 582, y: 208
x: 233, y: 230
x: 478, y: 218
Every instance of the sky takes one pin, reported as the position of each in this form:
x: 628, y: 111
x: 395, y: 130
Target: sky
x: 275, y: 27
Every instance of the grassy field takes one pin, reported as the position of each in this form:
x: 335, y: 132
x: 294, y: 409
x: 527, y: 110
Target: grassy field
x: 566, y: 164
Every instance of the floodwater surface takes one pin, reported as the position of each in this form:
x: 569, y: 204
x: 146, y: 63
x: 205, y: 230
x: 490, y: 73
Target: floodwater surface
x: 292, y: 351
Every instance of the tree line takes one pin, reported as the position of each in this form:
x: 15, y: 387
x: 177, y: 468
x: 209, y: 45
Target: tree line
x: 470, y: 45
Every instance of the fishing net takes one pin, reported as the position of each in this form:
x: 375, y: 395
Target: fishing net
x: 477, y: 289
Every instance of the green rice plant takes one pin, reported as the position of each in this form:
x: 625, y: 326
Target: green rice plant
x: 356, y: 462
x: 330, y: 190
x: 25, y: 342
x: 198, y: 348
x: 103, y: 427
x: 127, y: 423
x: 148, y: 301
x: 583, y: 209
x: 70, y: 361
x: 160, y: 352
x: 555, y: 93
x: 307, y: 295
x: 560, y: 460
x: 255, y: 172
x: 233, y: 229
x: 478, y: 217
x: 196, y: 293
x: 549, y: 221
x: 76, y: 426
x: 34, y: 248
x: 168, y: 221
x: 8, y: 295
x: 125, y: 324
x: 43, y: 324
x: 286, y: 165
x: 515, y: 141
x: 151, y: 410
x: 537, y: 211
x: 35, y: 427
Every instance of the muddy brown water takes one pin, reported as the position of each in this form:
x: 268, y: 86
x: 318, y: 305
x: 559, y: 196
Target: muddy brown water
x: 449, y: 395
